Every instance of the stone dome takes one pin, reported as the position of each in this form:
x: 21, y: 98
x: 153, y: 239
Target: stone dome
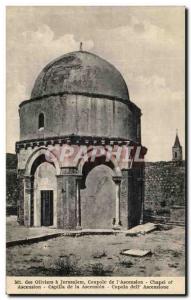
x: 80, y: 73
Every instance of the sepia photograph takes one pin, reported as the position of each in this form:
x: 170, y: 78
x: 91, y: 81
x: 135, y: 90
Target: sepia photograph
x: 95, y: 150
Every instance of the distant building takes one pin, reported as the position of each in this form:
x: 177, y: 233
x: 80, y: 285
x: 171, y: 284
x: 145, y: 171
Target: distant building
x: 177, y: 150
x: 164, y: 194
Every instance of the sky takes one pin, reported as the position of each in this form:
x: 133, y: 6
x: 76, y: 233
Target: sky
x: 146, y: 44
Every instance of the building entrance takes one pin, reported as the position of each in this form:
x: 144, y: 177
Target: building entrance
x: 46, y: 208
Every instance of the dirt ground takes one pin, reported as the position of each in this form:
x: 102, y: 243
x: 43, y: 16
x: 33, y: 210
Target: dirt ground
x: 99, y: 255
x: 16, y: 232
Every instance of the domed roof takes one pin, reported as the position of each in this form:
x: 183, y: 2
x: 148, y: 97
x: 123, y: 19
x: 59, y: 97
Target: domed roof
x: 80, y: 72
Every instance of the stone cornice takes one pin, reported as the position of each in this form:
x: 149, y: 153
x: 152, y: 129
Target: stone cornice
x: 131, y: 105
x: 74, y: 140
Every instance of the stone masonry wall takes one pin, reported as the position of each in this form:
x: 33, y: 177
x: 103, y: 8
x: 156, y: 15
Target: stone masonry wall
x: 11, y: 184
x: 164, y: 187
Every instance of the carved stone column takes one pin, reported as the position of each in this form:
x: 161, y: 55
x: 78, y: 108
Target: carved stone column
x: 117, y: 181
x: 20, y: 202
x: 78, y: 203
x: 140, y: 182
x: 124, y: 190
x: 28, y: 200
x: 60, y: 192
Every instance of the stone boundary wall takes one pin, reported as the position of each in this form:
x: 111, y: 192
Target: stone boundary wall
x: 164, y: 189
x: 11, y: 184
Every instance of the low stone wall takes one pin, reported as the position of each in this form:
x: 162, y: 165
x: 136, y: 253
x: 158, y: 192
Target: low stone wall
x: 177, y: 214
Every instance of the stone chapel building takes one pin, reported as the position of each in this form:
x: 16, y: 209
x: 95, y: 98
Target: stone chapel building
x: 79, y: 99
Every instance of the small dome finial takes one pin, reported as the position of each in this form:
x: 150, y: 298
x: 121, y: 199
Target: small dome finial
x: 81, y: 44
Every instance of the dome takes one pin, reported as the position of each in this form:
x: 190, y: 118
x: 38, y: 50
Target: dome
x: 80, y: 72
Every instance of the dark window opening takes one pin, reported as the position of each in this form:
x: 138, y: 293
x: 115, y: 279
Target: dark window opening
x: 41, y: 121
x: 163, y: 203
x: 175, y: 155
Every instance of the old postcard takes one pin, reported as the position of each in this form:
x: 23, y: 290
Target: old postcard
x: 96, y: 150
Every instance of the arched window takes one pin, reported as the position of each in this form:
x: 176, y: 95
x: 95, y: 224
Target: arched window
x: 41, y: 121
x: 175, y: 154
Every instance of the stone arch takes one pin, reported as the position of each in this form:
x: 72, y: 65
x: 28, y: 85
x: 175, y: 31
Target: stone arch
x: 42, y: 151
x: 98, y: 199
x: 88, y: 166
x: 93, y: 213
x: 116, y: 169
x: 40, y: 158
x: 45, y: 195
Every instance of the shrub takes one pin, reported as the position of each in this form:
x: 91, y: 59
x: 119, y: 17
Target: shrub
x: 126, y: 263
x: 99, y: 254
x: 67, y: 266
x: 98, y: 270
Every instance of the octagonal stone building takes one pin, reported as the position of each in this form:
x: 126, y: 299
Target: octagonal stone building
x: 79, y: 101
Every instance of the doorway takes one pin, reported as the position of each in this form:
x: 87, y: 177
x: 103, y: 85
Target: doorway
x: 47, y: 208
